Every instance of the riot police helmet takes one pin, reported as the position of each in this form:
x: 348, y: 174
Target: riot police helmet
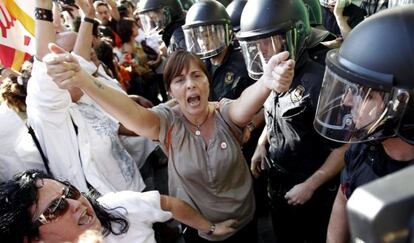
x: 368, y: 88
x: 207, y: 28
x: 268, y: 27
x: 235, y: 9
x: 155, y: 15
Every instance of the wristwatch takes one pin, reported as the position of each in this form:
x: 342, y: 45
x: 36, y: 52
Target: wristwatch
x: 211, y: 229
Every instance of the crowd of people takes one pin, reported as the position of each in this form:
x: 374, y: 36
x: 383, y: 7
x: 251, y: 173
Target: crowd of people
x: 249, y: 106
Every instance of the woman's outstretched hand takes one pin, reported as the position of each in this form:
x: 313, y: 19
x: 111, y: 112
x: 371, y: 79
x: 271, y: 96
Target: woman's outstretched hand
x: 63, y: 68
x: 278, y: 72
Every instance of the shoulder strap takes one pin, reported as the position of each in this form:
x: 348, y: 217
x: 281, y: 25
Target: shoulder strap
x: 36, y: 141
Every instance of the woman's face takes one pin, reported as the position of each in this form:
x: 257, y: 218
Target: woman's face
x: 191, y: 90
x: 79, y: 217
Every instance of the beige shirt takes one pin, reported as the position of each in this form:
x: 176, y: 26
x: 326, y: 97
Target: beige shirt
x: 216, y: 180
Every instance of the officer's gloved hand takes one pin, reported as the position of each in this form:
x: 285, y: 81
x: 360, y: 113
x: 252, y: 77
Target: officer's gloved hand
x: 278, y: 72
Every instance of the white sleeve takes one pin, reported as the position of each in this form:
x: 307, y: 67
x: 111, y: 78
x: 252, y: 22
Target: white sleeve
x: 143, y: 206
x: 48, y: 112
x: 44, y: 96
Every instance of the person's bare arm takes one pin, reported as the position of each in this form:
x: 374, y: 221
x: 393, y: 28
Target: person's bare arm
x: 83, y: 43
x: 258, y: 159
x: 186, y: 214
x: 44, y: 31
x: 338, y: 229
x: 277, y: 76
x: 342, y: 20
x: 67, y: 73
x: 114, y: 10
x: 302, y: 192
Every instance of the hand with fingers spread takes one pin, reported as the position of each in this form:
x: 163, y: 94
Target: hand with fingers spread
x: 299, y: 194
x: 278, y: 72
x: 87, y: 7
x: 63, y: 68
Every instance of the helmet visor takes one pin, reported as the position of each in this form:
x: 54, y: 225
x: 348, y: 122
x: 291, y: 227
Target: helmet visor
x: 258, y: 52
x: 154, y: 20
x: 207, y: 40
x: 350, y: 112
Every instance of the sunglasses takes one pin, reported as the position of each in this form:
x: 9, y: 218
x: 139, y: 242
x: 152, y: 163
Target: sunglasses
x: 58, y: 207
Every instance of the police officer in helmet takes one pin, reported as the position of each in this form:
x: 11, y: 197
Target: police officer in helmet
x: 302, y: 164
x: 166, y: 16
x: 235, y: 9
x: 208, y: 33
x: 367, y: 99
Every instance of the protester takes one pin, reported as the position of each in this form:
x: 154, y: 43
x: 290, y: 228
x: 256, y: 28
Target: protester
x: 206, y: 166
x: 81, y: 141
x: 35, y: 207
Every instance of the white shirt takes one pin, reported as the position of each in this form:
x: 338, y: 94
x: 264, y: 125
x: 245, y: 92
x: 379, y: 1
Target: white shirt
x: 142, y: 211
x: 94, y: 152
x: 17, y: 149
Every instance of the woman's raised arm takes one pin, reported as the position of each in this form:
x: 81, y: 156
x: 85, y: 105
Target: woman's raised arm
x: 67, y: 73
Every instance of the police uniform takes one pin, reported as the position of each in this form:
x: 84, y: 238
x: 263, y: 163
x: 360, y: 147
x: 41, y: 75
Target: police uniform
x: 230, y: 78
x: 296, y: 151
x: 365, y: 162
x: 173, y: 36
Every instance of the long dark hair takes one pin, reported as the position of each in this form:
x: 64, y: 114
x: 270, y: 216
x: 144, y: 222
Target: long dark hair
x: 19, y: 194
x: 125, y: 29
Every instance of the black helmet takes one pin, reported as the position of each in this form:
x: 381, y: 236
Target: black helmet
x: 368, y: 88
x: 235, y: 9
x: 314, y: 11
x: 158, y: 14
x: 268, y: 27
x: 207, y: 28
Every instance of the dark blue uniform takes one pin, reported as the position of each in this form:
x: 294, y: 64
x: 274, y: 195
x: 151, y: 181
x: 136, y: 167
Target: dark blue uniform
x: 173, y: 36
x: 296, y: 151
x: 230, y: 78
x: 365, y: 162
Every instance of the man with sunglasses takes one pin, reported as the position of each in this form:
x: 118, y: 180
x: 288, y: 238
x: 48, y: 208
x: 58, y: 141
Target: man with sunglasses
x: 37, y: 208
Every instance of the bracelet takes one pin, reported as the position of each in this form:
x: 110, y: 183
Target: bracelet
x: 43, y: 14
x: 88, y: 20
x: 211, y: 229
x: 251, y: 126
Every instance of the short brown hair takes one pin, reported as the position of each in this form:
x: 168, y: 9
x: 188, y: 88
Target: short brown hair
x: 180, y: 60
x: 13, y: 94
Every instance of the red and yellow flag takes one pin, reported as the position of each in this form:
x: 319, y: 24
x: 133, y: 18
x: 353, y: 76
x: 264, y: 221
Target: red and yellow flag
x: 16, y: 32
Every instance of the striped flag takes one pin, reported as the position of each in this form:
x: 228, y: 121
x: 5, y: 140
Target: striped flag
x: 16, y: 32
